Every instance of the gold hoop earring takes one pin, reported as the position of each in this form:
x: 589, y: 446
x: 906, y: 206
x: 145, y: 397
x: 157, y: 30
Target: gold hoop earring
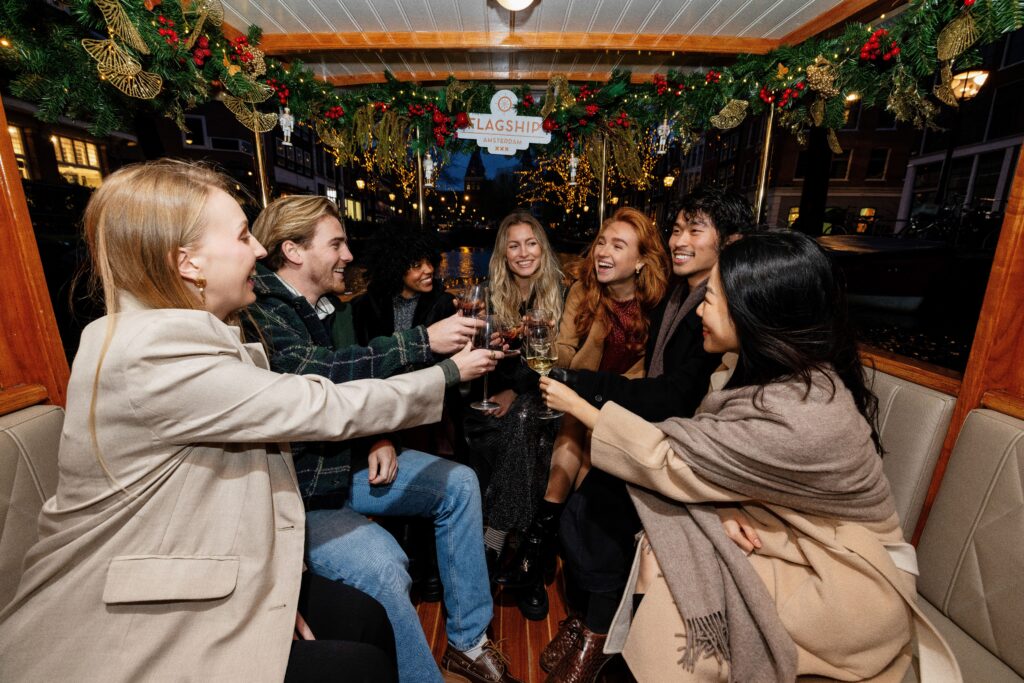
x: 200, y: 282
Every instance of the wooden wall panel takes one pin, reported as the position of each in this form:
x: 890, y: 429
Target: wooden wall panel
x: 30, y: 348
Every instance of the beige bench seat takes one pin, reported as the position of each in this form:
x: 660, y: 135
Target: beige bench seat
x: 29, y: 440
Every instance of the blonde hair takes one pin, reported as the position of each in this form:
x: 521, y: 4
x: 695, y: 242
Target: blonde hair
x: 290, y: 219
x: 134, y: 225
x: 651, y: 281
x: 545, y: 284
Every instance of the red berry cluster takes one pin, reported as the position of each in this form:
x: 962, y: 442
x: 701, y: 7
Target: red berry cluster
x: 622, y: 120
x: 660, y: 84
x: 872, y: 50
x: 549, y: 125
x: 592, y: 109
x: 335, y: 112
x: 281, y: 90
x: 201, y: 51
x: 528, y: 100
x: 782, y: 98
x: 380, y: 107
x: 416, y: 110
x: 462, y: 120
x: 586, y: 93
x: 713, y: 76
x: 240, y: 47
x: 167, y: 31
x: 968, y: 3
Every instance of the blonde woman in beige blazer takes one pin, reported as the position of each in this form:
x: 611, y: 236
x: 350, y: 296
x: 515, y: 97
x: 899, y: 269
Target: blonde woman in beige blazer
x: 172, y: 549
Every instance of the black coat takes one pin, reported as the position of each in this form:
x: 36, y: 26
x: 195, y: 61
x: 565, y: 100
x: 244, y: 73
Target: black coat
x: 374, y: 315
x: 677, y: 392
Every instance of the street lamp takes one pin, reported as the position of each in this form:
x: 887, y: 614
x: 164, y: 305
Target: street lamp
x: 360, y: 184
x: 669, y: 180
x: 965, y: 86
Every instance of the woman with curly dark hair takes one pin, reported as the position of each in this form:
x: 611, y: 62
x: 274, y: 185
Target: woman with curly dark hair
x: 402, y: 291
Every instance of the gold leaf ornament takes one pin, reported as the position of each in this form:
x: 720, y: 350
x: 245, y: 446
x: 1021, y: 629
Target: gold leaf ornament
x: 833, y: 142
x: 944, y: 90
x: 120, y: 25
x: 143, y: 85
x: 822, y: 77
x: 732, y: 115
x: 207, y: 10
x: 247, y: 115
x: 818, y: 112
x: 558, y: 94
x: 111, y: 58
x: 956, y: 37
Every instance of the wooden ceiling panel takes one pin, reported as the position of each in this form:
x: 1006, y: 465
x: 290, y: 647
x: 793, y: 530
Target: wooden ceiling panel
x: 358, y: 39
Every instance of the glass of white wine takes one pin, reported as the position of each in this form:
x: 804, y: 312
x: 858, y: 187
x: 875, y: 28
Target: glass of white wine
x: 541, y: 353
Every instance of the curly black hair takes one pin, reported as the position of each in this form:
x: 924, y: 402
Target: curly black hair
x: 393, y: 251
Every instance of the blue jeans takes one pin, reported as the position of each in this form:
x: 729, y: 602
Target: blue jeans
x: 343, y: 545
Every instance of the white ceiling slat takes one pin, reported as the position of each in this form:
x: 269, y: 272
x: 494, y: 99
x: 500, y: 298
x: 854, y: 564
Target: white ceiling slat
x: 806, y: 13
x: 731, y: 18
x: 761, y: 19
x: 303, y: 26
x: 331, y: 28
x: 355, y: 27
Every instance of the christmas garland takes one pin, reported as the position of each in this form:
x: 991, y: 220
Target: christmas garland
x: 102, y: 59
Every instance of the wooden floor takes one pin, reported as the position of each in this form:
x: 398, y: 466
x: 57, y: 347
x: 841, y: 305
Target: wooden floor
x: 520, y: 639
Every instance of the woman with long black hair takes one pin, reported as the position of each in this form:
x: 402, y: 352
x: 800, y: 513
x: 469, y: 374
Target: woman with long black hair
x: 789, y: 448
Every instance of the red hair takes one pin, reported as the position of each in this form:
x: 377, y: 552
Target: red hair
x: 651, y: 281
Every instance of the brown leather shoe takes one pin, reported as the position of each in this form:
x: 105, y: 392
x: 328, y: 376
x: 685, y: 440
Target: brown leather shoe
x: 584, y: 660
x: 490, y: 667
x: 568, y: 634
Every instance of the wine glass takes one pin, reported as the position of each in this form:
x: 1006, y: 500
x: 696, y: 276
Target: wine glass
x: 484, y: 339
x: 473, y: 302
x: 511, y: 335
x: 541, y: 353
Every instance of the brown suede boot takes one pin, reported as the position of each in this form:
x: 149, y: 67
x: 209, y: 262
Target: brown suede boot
x: 584, y: 660
x: 568, y: 634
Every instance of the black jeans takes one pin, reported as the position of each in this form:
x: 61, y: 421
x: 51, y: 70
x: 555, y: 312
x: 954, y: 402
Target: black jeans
x: 354, y: 641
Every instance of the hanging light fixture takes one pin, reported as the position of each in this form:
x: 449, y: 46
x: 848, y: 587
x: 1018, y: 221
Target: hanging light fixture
x: 515, y: 5
x: 663, y: 132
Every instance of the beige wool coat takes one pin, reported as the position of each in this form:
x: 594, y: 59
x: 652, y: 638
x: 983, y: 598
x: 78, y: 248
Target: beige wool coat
x: 848, y: 619
x: 180, y: 560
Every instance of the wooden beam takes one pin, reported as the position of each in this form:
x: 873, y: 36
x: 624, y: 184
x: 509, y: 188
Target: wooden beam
x: 30, y: 346
x: 279, y: 44
x: 21, y: 396
x: 994, y: 364
x: 851, y: 10
x: 479, y: 75
x: 925, y: 374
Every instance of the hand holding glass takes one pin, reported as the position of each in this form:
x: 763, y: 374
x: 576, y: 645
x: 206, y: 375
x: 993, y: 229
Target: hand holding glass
x: 484, y: 339
x: 541, y: 353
